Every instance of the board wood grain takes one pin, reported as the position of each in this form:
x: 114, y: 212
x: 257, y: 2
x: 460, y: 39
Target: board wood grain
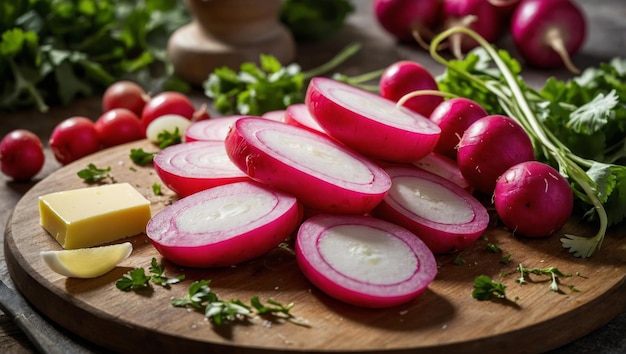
x: 445, y: 318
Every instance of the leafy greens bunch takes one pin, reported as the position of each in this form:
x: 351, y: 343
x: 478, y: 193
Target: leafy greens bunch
x: 578, y: 125
x: 52, y: 51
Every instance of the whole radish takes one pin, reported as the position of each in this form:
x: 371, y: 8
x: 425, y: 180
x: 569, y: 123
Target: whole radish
x: 170, y: 102
x: 21, y: 155
x: 404, y: 77
x: 548, y: 33
x: 125, y: 94
x: 479, y: 15
x: 73, y: 138
x: 401, y: 17
x: 490, y: 146
x: 454, y: 116
x: 533, y: 199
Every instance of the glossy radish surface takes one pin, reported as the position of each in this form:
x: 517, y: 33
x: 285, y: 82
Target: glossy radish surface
x: 21, y: 155
x: 125, y: 94
x: 454, y: 116
x: 168, y: 123
x: 322, y: 174
x: 214, y: 129
x: 118, y: 126
x: 224, y: 226
x: 298, y: 115
x: 405, y: 76
x: 548, y: 33
x: 445, y: 216
x: 401, y: 17
x: 478, y: 15
x: 74, y: 138
x: 369, y: 123
x: 364, y: 261
x: 195, y: 166
x: 170, y: 102
x: 533, y: 199
x: 490, y: 146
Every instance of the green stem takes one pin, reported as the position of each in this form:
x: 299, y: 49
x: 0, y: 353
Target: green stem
x: 337, y: 60
x: 402, y: 101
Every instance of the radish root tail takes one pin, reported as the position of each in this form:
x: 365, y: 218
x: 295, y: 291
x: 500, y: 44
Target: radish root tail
x: 554, y: 40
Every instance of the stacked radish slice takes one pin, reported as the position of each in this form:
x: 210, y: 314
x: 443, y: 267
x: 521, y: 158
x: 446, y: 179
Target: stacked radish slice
x: 317, y: 162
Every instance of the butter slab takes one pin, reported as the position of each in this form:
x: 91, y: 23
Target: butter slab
x: 94, y: 216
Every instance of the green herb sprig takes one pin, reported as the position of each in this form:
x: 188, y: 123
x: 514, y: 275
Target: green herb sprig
x: 94, y: 174
x: 138, y: 279
x: 141, y: 157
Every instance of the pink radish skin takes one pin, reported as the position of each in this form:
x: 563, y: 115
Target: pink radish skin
x: 548, y: 33
x: 533, y: 199
x: 322, y: 174
x: 454, y: 116
x: 214, y: 129
x: 224, y: 226
x: 370, y: 124
x: 298, y: 115
x: 478, y: 15
x: 490, y: 146
x: 364, y: 261
x: 404, y: 77
x: 400, y: 17
x: 442, y: 214
x: 193, y: 167
x: 444, y: 167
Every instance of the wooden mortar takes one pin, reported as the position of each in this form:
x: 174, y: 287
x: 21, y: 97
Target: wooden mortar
x: 228, y: 33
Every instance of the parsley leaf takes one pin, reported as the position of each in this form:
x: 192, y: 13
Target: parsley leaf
x: 487, y: 289
x: 167, y: 138
x: 141, y: 157
x: 93, y: 174
x: 138, y: 279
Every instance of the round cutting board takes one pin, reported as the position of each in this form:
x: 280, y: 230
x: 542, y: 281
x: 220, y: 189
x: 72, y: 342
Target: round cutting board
x: 444, y: 318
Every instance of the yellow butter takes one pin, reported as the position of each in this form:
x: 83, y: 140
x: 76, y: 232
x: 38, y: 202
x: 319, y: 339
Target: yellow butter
x: 93, y: 216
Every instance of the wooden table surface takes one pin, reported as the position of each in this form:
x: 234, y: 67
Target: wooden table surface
x: 606, y: 39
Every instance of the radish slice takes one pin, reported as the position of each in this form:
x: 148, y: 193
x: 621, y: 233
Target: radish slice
x: 193, y: 167
x: 214, y: 129
x: 364, y: 261
x: 224, y: 226
x: 278, y: 115
x: 322, y: 174
x: 445, y: 167
x: 370, y: 124
x: 169, y: 123
x: 298, y: 115
x: 445, y: 216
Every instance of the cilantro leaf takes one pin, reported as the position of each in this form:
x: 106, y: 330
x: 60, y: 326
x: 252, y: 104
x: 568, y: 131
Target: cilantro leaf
x: 133, y: 280
x: 93, y: 174
x: 487, y: 289
x: 141, y: 157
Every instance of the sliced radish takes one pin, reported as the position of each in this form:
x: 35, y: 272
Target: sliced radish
x: 370, y: 124
x: 214, y: 129
x: 193, y: 167
x: 364, y: 261
x: 298, y: 115
x: 169, y: 123
x: 225, y: 225
x: 445, y: 216
x: 324, y: 175
x: 444, y: 167
x: 278, y: 115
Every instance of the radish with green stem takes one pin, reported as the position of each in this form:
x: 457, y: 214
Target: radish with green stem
x: 442, y: 214
x: 322, y: 174
x: 225, y: 225
x: 403, y: 18
x: 479, y: 15
x: 454, y: 116
x: 490, y: 146
x: 533, y: 199
x: 548, y: 33
x: 195, y: 166
x: 407, y: 76
x: 579, y: 171
x: 369, y: 123
x: 364, y: 261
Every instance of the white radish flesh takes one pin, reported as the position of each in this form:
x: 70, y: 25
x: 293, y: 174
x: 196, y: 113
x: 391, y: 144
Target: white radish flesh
x: 370, y: 124
x: 445, y: 216
x: 167, y: 123
x: 364, y: 261
x: 214, y: 129
x: 193, y: 167
x: 225, y: 225
x: 298, y: 115
x: 322, y: 174
x: 444, y: 167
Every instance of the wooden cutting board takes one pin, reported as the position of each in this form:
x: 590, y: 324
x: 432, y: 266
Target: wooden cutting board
x: 443, y: 319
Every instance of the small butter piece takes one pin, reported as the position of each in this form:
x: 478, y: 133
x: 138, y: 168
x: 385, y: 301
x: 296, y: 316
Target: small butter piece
x: 93, y: 216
